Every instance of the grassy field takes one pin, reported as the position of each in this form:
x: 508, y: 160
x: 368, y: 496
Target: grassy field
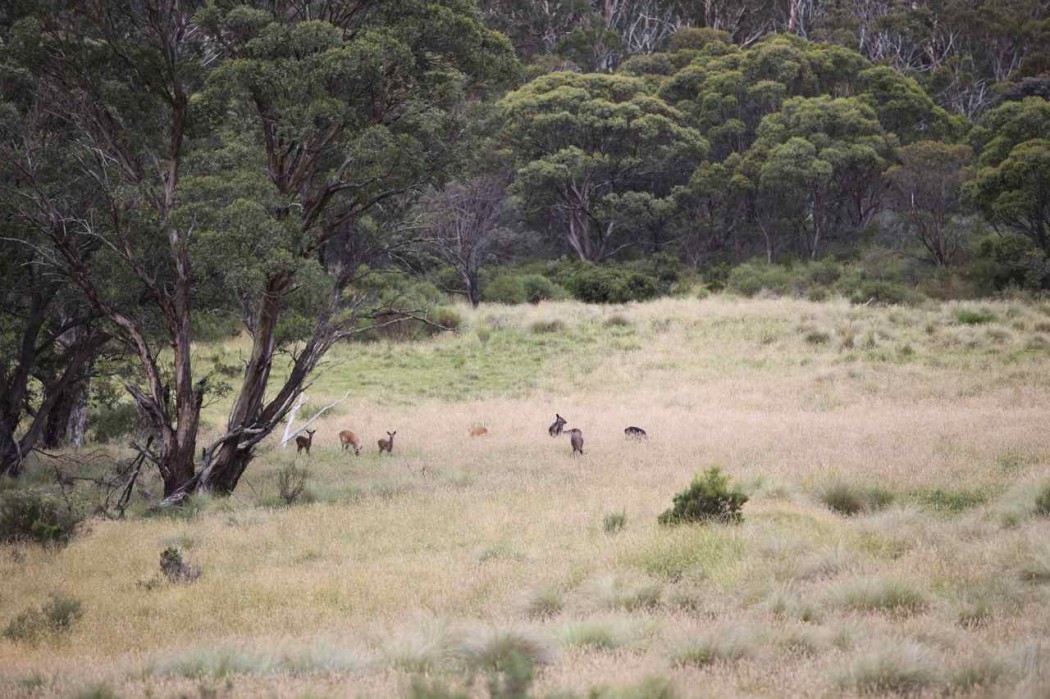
x: 431, y: 565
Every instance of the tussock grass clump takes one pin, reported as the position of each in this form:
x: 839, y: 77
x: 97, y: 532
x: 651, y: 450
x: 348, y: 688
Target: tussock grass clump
x: 974, y: 316
x: 720, y: 645
x: 1042, y: 501
x: 626, y: 592
x: 617, y: 321
x: 825, y: 564
x: 507, y: 659
x: 788, y: 604
x: 614, y: 522
x: 98, y: 691
x: 649, y: 688
x: 432, y: 645
x: 708, y: 499
x: 215, y: 663
x: 594, y: 635
x: 848, y: 499
x: 542, y: 603
x: 54, y: 617
x: 546, y: 327
x: 880, y: 595
x: 901, y: 667
x: 1035, y: 568
x: 802, y: 640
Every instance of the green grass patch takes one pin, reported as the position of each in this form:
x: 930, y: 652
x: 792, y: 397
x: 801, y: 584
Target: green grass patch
x: 947, y: 501
x: 970, y: 316
x: 702, y: 551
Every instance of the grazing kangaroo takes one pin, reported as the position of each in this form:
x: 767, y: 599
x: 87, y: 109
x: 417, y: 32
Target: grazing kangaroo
x: 559, y: 423
x: 478, y: 431
x: 576, y: 437
x: 387, y: 445
x: 636, y: 433
x: 349, y: 439
x: 302, y: 442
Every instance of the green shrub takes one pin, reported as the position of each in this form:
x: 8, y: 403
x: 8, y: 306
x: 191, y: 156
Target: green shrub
x: 510, y: 288
x: 708, y: 498
x: 950, y: 501
x: 886, y: 292
x: 55, y: 616
x: 536, y: 288
x: 27, y: 515
x: 112, y: 422
x: 610, y: 284
x: 849, y: 500
x: 750, y: 278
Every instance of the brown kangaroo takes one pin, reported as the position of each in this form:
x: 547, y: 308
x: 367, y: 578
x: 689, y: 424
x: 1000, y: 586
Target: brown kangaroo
x: 387, y: 445
x: 478, y: 431
x: 555, y: 429
x: 349, y: 439
x: 576, y: 437
x: 302, y: 442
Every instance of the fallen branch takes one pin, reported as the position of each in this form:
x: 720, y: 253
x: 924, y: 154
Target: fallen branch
x: 311, y: 421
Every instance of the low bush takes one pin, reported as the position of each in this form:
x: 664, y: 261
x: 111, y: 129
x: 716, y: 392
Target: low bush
x: 291, y: 481
x: 750, y: 278
x: 709, y: 498
x: 55, y: 616
x: 610, y: 284
x: 175, y: 569
x: 508, y: 660
x: 510, y: 288
x: 27, y: 515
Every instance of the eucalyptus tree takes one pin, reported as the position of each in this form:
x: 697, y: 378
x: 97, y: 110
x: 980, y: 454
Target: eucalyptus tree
x: 583, y: 142
x: 240, y: 153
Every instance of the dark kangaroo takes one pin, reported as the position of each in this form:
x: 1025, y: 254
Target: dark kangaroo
x: 576, y: 437
x: 556, y: 428
x: 302, y: 442
x: 636, y: 433
x: 387, y: 445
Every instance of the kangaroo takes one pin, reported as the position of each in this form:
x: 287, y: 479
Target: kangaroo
x: 559, y: 423
x: 349, y: 439
x: 478, y: 431
x: 576, y: 437
x: 387, y: 445
x: 302, y: 442
x: 636, y: 433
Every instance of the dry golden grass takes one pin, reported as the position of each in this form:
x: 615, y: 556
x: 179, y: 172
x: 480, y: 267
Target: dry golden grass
x: 418, y: 562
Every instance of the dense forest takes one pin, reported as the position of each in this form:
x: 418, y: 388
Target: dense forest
x: 317, y: 171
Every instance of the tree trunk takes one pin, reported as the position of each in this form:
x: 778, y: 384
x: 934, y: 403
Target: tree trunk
x: 10, y: 456
x: 66, y: 423
x: 473, y: 293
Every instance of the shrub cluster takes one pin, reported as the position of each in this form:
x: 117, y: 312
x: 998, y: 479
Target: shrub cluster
x: 27, y: 515
x: 55, y: 616
x: 708, y: 498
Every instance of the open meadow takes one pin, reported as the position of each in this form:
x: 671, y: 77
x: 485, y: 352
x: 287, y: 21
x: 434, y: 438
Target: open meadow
x: 894, y: 540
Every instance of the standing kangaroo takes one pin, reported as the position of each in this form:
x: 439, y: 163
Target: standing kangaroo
x: 556, y: 427
x: 349, y: 439
x: 302, y: 442
x: 387, y: 445
x: 576, y: 437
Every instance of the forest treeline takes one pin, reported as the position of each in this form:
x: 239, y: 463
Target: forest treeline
x: 314, y: 171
